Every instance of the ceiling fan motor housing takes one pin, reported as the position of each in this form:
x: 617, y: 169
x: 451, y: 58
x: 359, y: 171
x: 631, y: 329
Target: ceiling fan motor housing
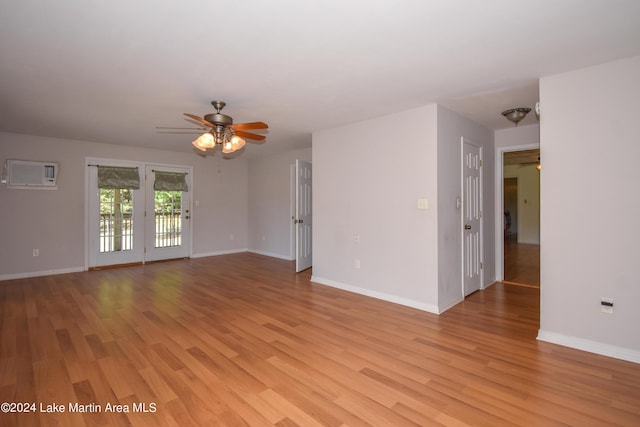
x: 219, y: 119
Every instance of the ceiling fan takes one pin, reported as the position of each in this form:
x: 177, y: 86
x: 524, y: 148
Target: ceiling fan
x: 220, y: 131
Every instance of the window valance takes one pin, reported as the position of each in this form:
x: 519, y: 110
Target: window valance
x: 170, y: 181
x: 118, y: 177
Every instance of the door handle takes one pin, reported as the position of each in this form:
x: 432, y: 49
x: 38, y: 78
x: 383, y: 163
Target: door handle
x: 297, y: 221
x: 467, y: 227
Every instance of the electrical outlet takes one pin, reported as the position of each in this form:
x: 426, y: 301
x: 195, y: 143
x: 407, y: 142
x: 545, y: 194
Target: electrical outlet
x: 606, y: 305
x: 36, y: 252
x: 231, y: 236
x: 356, y: 263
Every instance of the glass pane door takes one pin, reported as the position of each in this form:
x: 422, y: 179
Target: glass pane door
x: 116, y: 230
x: 167, y: 218
x: 116, y: 220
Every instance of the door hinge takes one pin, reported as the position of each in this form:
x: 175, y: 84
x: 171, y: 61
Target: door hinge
x: 480, y: 162
x: 481, y: 266
x: 480, y: 214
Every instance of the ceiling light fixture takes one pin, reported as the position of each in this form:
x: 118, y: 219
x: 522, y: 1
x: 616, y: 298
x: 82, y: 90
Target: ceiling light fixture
x: 219, y: 136
x: 222, y: 133
x: 516, y: 114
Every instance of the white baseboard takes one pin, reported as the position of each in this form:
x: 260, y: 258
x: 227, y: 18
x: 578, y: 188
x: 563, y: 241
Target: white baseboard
x: 378, y: 295
x: 41, y: 273
x: 206, y: 254
x: 270, y: 254
x: 608, y: 350
x: 451, y: 305
x: 79, y: 269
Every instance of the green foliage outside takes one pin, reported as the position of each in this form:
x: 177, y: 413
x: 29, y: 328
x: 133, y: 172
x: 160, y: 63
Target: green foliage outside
x: 121, y: 201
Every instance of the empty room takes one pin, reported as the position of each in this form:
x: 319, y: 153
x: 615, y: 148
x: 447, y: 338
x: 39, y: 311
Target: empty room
x: 380, y: 213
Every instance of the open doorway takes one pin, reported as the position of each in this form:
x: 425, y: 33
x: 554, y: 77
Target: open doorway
x: 519, y: 236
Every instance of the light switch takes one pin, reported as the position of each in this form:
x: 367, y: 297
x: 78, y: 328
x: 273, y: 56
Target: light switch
x: 423, y: 204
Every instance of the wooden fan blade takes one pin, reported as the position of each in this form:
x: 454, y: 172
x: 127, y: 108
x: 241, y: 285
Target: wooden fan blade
x: 250, y: 135
x: 200, y: 119
x: 249, y: 126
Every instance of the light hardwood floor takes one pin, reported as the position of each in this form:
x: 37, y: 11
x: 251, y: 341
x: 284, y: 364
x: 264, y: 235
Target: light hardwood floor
x: 242, y: 340
x: 521, y: 262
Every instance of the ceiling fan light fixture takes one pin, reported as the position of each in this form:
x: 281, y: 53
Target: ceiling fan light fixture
x: 204, y: 141
x: 514, y: 115
x: 197, y: 145
x: 227, y: 147
x: 237, y: 142
x: 222, y: 131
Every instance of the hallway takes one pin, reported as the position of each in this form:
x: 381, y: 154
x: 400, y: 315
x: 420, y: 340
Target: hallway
x: 521, y: 262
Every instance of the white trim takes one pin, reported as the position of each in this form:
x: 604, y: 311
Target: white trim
x: 450, y: 306
x: 499, y: 203
x: 292, y: 210
x: 142, y: 165
x: 465, y: 140
x: 41, y: 273
x: 151, y: 253
x: 609, y: 350
x: 379, y: 295
x: 232, y: 251
x: 271, y: 254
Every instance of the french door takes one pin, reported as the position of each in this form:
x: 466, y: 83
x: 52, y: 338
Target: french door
x: 167, y: 218
x: 135, y: 225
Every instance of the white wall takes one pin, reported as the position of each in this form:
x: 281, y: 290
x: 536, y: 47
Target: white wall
x: 269, y: 203
x: 451, y: 128
x: 528, y: 218
x: 590, y: 205
x: 54, y: 221
x: 367, y: 178
x: 516, y: 137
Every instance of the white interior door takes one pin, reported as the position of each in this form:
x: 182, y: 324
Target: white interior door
x: 167, y: 218
x: 115, y: 221
x: 303, y: 216
x: 471, y: 217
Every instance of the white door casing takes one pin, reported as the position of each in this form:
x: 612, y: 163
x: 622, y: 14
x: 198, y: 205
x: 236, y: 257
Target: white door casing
x: 303, y: 217
x: 99, y: 252
x: 472, y: 258
x: 499, y: 203
x: 166, y: 236
x: 141, y: 245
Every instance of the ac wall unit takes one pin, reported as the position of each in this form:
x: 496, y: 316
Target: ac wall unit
x: 31, y: 175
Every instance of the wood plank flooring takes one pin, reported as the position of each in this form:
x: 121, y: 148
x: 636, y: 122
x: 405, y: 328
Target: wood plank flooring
x: 521, y: 262
x: 241, y: 339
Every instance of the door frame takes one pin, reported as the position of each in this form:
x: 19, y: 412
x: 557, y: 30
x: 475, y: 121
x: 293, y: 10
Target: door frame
x: 499, y: 202
x: 303, y: 231
x: 293, y: 205
x: 463, y: 141
x: 149, y: 223
x: 92, y: 161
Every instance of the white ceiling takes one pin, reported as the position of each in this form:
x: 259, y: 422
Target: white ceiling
x: 111, y: 71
